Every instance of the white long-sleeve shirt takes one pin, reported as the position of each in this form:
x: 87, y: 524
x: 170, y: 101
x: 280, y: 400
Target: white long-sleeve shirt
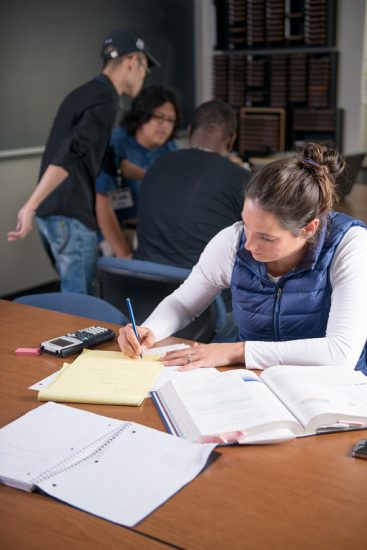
x: 346, y: 331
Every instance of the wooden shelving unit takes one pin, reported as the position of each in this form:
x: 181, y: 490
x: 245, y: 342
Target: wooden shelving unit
x: 280, y: 54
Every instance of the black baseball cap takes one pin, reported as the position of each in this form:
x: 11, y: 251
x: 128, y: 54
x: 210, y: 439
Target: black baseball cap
x: 122, y: 42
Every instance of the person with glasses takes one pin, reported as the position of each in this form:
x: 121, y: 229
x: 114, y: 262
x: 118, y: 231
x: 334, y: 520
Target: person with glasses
x: 146, y: 133
x: 64, y: 199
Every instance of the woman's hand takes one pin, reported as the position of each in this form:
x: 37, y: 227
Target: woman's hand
x: 206, y: 355
x: 129, y: 343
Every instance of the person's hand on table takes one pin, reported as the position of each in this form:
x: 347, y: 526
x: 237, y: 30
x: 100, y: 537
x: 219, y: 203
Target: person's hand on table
x: 129, y: 343
x: 206, y: 355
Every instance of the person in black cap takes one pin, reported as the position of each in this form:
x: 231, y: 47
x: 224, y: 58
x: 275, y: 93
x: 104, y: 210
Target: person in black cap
x: 64, y: 199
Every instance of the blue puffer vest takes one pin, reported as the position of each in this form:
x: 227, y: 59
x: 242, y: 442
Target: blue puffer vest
x: 298, y: 305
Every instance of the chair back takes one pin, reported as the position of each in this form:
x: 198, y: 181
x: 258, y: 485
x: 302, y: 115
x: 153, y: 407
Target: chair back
x: 147, y: 284
x: 83, y: 305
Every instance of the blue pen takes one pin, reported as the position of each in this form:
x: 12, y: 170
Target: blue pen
x: 132, y: 319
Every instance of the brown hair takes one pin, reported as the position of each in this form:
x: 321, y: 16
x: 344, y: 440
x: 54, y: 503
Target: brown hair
x: 300, y: 188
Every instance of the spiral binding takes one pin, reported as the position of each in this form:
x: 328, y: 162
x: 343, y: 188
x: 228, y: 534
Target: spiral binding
x: 82, y: 455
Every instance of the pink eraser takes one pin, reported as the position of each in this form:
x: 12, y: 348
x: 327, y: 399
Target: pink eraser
x: 28, y: 351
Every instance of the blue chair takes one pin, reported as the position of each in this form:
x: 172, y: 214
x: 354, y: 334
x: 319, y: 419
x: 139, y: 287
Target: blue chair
x: 147, y: 284
x: 76, y: 304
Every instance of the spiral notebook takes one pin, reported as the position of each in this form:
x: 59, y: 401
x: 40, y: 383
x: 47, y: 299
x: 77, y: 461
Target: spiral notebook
x: 120, y: 471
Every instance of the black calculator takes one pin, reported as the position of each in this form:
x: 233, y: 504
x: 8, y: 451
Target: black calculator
x: 76, y: 341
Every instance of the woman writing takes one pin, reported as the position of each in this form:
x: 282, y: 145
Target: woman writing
x: 297, y: 272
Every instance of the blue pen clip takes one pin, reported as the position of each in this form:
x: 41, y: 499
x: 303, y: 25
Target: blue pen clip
x: 132, y: 319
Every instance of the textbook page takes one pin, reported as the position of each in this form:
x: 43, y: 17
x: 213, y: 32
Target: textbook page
x: 104, y: 377
x: 321, y: 397
x: 44, y: 437
x: 225, y: 407
x: 172, y: 373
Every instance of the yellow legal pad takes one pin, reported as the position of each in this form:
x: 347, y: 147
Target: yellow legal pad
x: 103, y: 377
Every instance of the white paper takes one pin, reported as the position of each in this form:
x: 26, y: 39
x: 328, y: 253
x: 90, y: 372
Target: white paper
x: 45, y: 382
x: 172, y: 373
x: 132, y: 476
x: 120, y: 471
x: 165, y: 349
x: 46, y: 436
x: 165, y: 377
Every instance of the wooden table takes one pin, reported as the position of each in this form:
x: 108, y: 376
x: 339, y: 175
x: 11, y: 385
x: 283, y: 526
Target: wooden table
x: 305, y: 494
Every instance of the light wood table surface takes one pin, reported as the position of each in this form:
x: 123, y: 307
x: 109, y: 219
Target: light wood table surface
x: 305, y: 494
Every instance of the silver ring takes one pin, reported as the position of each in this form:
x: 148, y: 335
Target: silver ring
x: 189, y: 358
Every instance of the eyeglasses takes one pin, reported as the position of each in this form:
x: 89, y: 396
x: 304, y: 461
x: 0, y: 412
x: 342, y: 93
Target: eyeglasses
x: 161, y: 119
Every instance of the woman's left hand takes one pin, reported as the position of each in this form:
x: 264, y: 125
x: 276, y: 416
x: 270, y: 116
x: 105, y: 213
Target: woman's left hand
x: 205, y: 355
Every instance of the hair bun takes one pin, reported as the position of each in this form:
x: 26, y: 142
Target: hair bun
x: 319, y: 154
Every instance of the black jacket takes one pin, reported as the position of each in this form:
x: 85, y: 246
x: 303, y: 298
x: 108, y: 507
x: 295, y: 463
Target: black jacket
x: 77, y: 142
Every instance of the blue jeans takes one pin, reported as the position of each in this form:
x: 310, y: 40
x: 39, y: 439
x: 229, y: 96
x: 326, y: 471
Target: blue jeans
x: 75, y: 250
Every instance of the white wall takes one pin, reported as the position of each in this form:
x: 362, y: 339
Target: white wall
x: 204, y: 44
x: 350, y: 44
x: 363, y: 129
x: 24, y: 264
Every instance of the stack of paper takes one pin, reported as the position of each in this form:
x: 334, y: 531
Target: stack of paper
x: 166, y: 374
x: 104, y: 377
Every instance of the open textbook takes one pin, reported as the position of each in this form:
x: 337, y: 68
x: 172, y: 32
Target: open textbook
x: 120, y: 471
x: 284, y: 403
